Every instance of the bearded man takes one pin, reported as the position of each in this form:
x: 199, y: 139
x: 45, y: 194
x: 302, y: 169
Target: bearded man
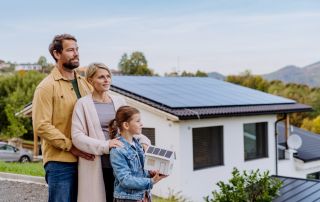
x: 53, y: 104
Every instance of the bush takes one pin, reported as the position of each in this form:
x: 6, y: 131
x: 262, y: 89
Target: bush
x: 247, y: 188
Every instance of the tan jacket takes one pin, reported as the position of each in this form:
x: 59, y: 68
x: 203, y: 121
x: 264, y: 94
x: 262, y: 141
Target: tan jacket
x: 87, y: 135
x: 52, y: 108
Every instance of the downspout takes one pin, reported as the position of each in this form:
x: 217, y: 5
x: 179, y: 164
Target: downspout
x: 276, y: 139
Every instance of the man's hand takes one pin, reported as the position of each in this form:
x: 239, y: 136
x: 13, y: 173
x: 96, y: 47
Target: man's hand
x: 81, y: 154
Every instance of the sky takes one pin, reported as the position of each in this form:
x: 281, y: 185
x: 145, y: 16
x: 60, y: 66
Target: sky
x: 225, y: 36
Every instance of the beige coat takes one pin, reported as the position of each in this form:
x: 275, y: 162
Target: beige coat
x: 87, y: 136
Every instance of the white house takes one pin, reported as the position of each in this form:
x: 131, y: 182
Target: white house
x: 28, y: 67
x: 212, y: 126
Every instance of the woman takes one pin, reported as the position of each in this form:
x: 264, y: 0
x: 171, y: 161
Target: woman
x: 90, y: 120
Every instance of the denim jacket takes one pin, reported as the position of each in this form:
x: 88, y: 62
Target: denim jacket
x: 131, y: 180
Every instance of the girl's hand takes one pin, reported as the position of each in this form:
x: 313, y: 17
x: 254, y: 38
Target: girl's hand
x: 157, y: 177
x: 152, y: 173
x: 115, y: 143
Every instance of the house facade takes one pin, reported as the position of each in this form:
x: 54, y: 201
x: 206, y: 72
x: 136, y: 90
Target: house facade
x: 209, y: 141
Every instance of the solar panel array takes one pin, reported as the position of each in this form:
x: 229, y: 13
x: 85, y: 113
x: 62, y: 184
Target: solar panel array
x: 181, y: 92
x: 159, y: 152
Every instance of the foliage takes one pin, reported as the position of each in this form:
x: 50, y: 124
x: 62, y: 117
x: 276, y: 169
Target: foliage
x: 173, y: 197
x: 34, y: 169
x: 247, y: 187
x: 312, y: 124
x: 188, y: 74
x: 136, y: 64
x: 46, y: 67
x: 16, y: 91
x: 298, y: 92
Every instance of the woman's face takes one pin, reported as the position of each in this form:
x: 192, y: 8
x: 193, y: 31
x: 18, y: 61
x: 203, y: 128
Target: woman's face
x: 101, y: 80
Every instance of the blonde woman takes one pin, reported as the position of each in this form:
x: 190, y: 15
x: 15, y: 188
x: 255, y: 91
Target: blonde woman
x: 90, y: 120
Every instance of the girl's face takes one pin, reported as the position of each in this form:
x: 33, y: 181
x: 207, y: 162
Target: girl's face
x: 135, y: 125
x: 101, y: 80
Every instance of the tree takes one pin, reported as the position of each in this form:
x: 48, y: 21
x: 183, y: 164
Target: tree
x: 247, y: 187
x: 136, y: 64
x: 46, y: 67
x: 15, y: 92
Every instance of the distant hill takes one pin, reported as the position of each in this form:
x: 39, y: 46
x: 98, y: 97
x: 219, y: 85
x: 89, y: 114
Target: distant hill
x: 216, y: 75
x: 309, y: 75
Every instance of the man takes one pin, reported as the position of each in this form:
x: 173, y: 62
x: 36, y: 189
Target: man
x: 53, y: 104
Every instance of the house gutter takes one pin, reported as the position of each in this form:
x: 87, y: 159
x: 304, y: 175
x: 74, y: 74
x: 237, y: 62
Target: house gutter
x: 276, y: 139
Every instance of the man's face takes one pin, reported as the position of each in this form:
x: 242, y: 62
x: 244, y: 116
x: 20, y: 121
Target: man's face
x: 69, y: 57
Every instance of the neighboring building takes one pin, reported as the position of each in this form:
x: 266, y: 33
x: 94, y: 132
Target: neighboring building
x: 27, y: 67
x: 3, y: 64
x: 212, y: 125
x: 305, y: 163
x: 295, y: 189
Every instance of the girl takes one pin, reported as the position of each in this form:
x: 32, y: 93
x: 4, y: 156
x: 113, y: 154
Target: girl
x: 132, y: 182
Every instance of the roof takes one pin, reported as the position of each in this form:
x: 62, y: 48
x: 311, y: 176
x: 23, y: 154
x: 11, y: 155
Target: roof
x: 296, y: 189
x: 198, y: 97
x: 309, y: 150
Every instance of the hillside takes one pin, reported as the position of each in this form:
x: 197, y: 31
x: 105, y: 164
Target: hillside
x: 309, y: 75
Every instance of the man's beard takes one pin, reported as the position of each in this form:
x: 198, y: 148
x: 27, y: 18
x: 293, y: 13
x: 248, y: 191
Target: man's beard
x: 71, y: 65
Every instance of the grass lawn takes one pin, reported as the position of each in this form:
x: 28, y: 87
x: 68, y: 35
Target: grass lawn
x: 34, y: 169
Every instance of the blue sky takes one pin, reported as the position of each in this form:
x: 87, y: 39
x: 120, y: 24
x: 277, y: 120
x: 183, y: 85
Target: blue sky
x: 227, y: 36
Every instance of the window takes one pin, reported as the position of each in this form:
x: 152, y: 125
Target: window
x: 255, y: 140
x: 207, y: 147
x: 150, y: 133
x: 314, y: 176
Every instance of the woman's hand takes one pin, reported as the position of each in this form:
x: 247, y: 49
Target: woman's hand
x: 115, y: 143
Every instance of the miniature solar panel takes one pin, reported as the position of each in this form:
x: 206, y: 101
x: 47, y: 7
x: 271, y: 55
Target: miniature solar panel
x: 150, y: 150
x: 180, y: 92
x: 168, y: 154
x: 156, y: 151
x: 162, y: 152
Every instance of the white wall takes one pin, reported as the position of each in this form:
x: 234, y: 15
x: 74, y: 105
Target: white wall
x: 297, y: 168
x: 204, y: 180
x: 177, y: 135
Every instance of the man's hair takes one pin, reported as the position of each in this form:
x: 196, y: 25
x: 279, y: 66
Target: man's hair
x: 56, y: 44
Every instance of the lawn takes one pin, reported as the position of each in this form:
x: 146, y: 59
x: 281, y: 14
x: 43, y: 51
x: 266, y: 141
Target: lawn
x: 34, y: 169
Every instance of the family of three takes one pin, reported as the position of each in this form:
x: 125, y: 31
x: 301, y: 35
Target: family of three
x: 92, y: 145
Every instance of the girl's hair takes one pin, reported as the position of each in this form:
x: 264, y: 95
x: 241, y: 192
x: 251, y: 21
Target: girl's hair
x: 123, y: 114
x: 93, y: 67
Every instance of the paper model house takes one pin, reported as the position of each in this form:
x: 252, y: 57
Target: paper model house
x: 159, y: 159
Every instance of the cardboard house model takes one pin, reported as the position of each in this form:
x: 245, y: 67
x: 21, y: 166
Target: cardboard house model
x: 159, y: 159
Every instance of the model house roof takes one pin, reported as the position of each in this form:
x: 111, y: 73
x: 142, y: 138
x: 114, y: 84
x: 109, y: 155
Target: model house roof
x: 198, y: 97
x: 309, y: 150
x: 295, y: 189
x: 159, y: 152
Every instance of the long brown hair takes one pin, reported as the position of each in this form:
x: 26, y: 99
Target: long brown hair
x: 123, y: 114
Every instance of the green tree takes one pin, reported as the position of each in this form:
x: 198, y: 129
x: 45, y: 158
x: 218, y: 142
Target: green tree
x: 247, y: 187
x: 136, y: 64
x: 46, y: 67
x: 15, y: 92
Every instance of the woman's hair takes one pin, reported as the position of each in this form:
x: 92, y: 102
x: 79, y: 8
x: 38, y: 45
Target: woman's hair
x: 93, y: 67
x: 123, y: 114
x: 56, y: 44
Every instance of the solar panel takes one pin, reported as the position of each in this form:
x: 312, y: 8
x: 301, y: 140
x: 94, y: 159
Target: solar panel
x: 162, y: 152
x: 156, y: 151
x: 168, y: 154
x: 150, y: 150
x: 180, y: 92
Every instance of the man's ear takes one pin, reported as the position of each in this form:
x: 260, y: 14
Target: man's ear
x: 56, y: 54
